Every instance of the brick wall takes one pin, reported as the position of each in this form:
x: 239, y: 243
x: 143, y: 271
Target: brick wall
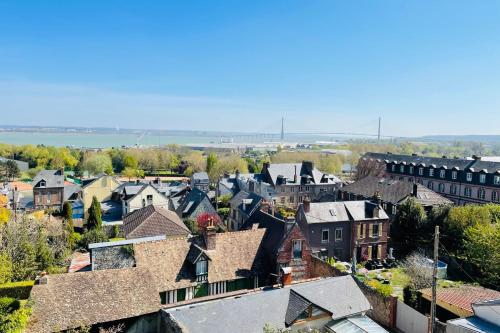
x: 319, y: 268
x: 301, y: 268
x: 383, y: 308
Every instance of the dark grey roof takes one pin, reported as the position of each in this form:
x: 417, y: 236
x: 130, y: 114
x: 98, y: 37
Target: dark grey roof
x: 52, y: 178
x: 394, y: 191
x: 490, y: 167
x: 460, y: 163
x: 296, y: 305
x: 339, y: 296
x: 246, y: 202
x: 295, y: 173
x: 188, y: 205
x: 70, y: 190
x: 343, y: 211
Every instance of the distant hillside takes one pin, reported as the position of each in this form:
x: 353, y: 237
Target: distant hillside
x: 452, y: 138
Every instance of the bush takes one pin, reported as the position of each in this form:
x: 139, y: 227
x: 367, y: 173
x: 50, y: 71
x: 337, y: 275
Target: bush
x: 8, y: 304
x: 383, y: 289
x: 96, y: 235
x: 409, y: 296
x: 18, y: 290
x: 116, y: 231
x: 340, y: 267
x: 16, y: 321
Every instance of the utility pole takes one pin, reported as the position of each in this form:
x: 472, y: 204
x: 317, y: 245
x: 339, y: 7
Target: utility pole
x: 434, y: 280
x: 378, y: 135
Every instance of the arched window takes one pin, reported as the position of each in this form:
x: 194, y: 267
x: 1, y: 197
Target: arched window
x: 430, y: 185
x: 494, y: 196
x: 467, y: 191
x: 441, y: 187
x: 453, y: 189
x: 481, y: 193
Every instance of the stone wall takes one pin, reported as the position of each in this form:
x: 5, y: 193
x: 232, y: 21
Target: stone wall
x: 383, y: 308
x: 319, y: 268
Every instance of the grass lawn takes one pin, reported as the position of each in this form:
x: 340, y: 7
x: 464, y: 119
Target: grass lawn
x: 396, y: 276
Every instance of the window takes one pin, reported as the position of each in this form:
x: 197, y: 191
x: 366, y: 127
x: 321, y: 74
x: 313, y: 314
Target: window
x: 301, y: 188
x: 410, y: 179
x: 454, y: 174
x: 431, y: 172
x: 411, y: 170
x: 325, y: 236
x: 360, y: 231
x: 430, y: 185
x: 442, y: 173
x: 453, y: 189
x: 292, y: 189
x: 291, y: 199
x: 283, y: 200
x: 494, y: 196
x: 143, y: 203
x: 393, y: 168
x: 338, y: 234
x: 394, y: 210
x: 282, y: 189
x: 482, y: 178
x: 297, y: 249
x: 42, y: 183
x: 402, y: 169
x: 48, y: 195
x: 467, y: 192
x: 150, y: 199
x: 469, y: 176
x: 201, y: 267
x: 307, y: 188
x: 441, y: 187
x: 421, y: 171
x: 375, y: 230
x: 481, y: 193
x: 496, y: 180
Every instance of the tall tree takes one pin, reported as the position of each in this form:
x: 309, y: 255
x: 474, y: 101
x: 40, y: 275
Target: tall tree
x: 94, y: 220
x: 407, y: 225
x: 211, y: 162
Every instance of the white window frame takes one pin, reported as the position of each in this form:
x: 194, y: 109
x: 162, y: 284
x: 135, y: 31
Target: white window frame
x: 201, y: 267
x: 442, y: 173
x: 482, y: 178
x: 328, y: 236
x: 410, y: 169
x: 431, y: 172
x: 420, y: 171
x: 393, y: 168
x: 496, y: 180
x: 469, y: 176
x: 454, y: 174
x: 339, y: 239
x: 402, y: 168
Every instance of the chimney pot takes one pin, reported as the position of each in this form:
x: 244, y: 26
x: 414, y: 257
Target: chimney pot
x: 210, y: 236
x: 307, y: 205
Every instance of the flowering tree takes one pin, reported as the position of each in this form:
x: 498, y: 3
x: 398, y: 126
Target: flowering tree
x: 205, y: 219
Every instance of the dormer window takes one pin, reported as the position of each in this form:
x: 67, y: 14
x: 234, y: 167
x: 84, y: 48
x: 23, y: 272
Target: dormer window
x: 469, y: 176
x: 482, y: 178
x: 42, y: 183
x: 431, y: 172
x: 496, y: 180
x: 454, y: 174
x: 411, y: 170
x: 393, y: 168
x: 201, y: 267
x: 421, y: 171
x: 297, y: 248
x: 442, y: 173
x: 402, y: 169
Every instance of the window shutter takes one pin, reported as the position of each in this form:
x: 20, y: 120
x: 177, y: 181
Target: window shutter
x: 380, y: 229
x: 379, y: 251
x: 370, y: 230
x: 359, y: 231
x: 369, y: 252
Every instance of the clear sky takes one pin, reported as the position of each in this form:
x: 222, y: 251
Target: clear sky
x: 426, y: 67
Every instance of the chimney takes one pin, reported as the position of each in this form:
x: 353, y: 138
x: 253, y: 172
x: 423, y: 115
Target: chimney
x: 475, y: 157
x: 376, y: 198
x: 265, y: 166
x: 307, y: 205
x: 415, y: 189
x: 308, y: 167
x: 137, y: 181
x: 210, y: 235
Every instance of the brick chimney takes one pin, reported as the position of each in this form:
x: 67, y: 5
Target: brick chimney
x: 265, y: 166
x: 210, y: 235
x: 415, y: 190
x: 307, y: 205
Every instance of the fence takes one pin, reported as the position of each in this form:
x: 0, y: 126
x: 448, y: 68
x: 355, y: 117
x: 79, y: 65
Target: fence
x: 409, y: 320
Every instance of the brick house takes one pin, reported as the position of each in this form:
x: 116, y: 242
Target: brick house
x: 344, y: 229
x: 50, y: 190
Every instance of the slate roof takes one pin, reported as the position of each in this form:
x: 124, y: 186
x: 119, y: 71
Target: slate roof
x: 296, y: 305
x: 459, y: 163
x: 153, y: 221
x: 86, y: 298
x: 342, y: 211
x: 275, y: 230
x: 200, y: 176
x: 289, y: 170
x: 83, y: 298
x: 52, y: 178
x: 188, y: 205
x: 394, y: 191
x: 462, y: 297
x: 339, y: 296
x: 252, y: 202
x: 70, y: 190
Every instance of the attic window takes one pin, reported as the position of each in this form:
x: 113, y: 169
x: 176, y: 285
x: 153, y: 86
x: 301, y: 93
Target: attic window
x: 42, y: 183
x: 201, y: 267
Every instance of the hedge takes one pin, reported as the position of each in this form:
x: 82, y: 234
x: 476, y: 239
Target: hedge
x: 18, y: 290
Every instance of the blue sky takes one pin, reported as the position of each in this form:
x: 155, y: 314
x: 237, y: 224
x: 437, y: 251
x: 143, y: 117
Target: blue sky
x: 426, y: 67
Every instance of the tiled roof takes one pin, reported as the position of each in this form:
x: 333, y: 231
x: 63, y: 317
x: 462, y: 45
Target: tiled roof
x: 153, y: 221
x: 394, y: 191
x: 462, y: 297
x: 84, y: 298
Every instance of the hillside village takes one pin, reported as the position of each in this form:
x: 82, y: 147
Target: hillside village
x: 285, y: 248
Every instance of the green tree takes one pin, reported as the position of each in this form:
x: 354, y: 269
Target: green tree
x: 44, y: 255
x: 5, y: 267
x: 68, y: 225
x: 130, y: 162
x: 97, y: 163
x: 211, y: 162
x: 94, y: 220
x: 130, y: 173
x: 96, y: 235
x: 409, y: 220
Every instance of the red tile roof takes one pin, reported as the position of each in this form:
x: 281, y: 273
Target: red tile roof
x: 462, y: 297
